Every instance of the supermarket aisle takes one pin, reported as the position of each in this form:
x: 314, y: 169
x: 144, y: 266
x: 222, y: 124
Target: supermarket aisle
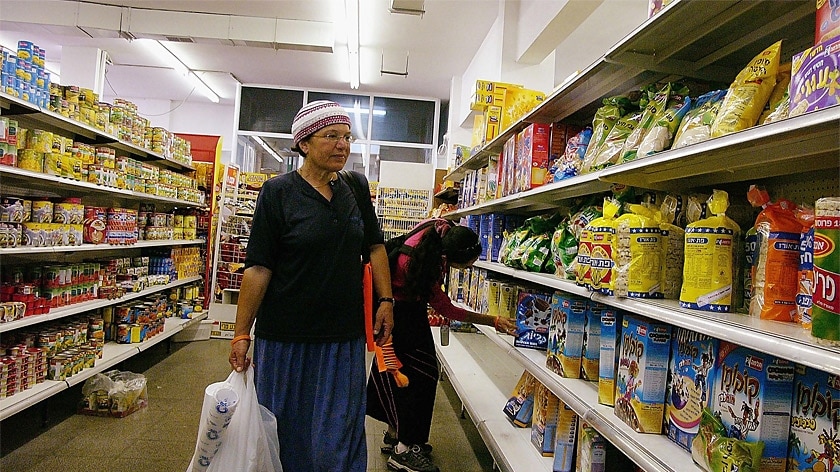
x: 161, y: 437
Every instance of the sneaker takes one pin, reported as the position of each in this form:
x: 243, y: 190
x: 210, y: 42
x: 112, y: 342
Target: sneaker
x: 412, y: 460
x: 388, y: 443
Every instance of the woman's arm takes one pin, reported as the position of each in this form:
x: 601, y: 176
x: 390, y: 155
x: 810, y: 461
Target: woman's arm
x: 441, y: 302
x: 384, y: 321
x: 254, y: 284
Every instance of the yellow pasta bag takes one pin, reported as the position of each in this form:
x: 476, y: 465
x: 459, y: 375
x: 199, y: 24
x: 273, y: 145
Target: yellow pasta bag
x: 711, y: 260
x: 638, y: 254
x: 748, y: 93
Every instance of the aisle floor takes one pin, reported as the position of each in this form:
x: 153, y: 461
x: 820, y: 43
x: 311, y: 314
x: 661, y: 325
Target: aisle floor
x: 161, y: 437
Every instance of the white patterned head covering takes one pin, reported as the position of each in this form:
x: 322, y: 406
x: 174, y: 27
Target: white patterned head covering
x: 316, y: 115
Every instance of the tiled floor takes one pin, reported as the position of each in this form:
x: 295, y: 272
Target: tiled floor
x: 161, y: 437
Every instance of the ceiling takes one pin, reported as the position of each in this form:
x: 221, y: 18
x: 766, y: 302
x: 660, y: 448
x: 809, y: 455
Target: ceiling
x: 439, y: 45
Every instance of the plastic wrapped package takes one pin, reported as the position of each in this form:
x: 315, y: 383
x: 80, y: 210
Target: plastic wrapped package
x: 696, y: 125
x: 713, y: 451
x: 748, y: 93
x: 609, y: 153
x: 661, y: 134
x: 114, y: 393
x: 602, y: 124
x: 638, y: 254
x: 652, y: 110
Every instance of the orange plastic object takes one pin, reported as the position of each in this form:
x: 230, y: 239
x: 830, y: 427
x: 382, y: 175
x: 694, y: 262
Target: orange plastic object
x: 387, y: 360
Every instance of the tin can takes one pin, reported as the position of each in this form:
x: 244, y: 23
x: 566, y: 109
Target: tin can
x: 123, y: 333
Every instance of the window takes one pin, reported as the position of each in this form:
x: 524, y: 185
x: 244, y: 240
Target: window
x: 403, y: 120
x: 268, y: 110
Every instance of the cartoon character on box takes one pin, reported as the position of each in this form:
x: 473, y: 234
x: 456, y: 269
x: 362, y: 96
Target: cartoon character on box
x: 533, y: 315
x: 814, y: 445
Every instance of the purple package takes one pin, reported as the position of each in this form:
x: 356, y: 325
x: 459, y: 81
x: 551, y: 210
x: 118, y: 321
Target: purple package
x: 815, y: 78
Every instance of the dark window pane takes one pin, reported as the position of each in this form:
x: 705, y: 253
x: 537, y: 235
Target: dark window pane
x: 407, y: 121
x: 268, y: 109
x: 357, y: 107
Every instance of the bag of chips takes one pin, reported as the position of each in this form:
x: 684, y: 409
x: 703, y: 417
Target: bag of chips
x: 714, y: 452
x: 696, y: 125
x: 749, y: 93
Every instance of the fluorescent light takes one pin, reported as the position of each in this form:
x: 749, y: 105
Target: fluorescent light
x: 160, y: 50
x: 268, y: 149
x: 351, y: 9
x: 203, y: 88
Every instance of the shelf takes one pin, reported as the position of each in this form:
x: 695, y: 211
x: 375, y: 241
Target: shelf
x: 800, y: 144
x: 542, y: 198
x: 484, y: 394
x: 77, y: 308
x: 547, y: 280
x: 652, y: 452
x: 21, y: 182
x: 17, y: 106
x: 97, y: 247
x: 785, y: 340
x: 112, y: 354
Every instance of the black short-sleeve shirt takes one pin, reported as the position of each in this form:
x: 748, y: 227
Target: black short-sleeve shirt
x: 313, y: 248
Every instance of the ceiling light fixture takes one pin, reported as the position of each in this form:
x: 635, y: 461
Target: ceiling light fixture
x: 268, y: 149
x: 351, y: 10
x: 173, y: 61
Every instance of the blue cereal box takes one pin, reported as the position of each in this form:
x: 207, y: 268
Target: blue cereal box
x: 642, y: 373
x: 815, y: 419
x: 520, y: 406
x: 533, y: 314
x: 565, y: 335
x: 690, y: 381
x: 608, y: 363
x: 591, y: 349
x: 753, y: 394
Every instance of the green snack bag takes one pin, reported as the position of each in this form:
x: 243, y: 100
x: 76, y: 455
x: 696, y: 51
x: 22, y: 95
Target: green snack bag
x: 714, y: 452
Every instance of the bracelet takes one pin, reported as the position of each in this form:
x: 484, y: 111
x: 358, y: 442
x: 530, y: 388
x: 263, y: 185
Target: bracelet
x: 496, y: 323
x: 386, y: 299
x: 236, y: 339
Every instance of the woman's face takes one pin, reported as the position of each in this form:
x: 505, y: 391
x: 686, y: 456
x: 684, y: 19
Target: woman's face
x: 325, y: 153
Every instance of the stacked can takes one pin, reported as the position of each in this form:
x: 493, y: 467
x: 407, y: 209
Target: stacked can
x: 24, y: 76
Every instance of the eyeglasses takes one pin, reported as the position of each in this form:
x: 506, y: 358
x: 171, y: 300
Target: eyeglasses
x: 334, y: 138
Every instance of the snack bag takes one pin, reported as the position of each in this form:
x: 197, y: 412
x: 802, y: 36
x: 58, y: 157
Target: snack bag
x: 696, y: 125
x: 805, y: 277
x: 710, y: 271
x: 610, y: 151
x: 776, y: 262
x: 664, y: 128
x: 571, y: 162
x: 748, y: 93
x: 638, y: 254
x: 564, y: 248
x: 652, y: 110
x: 780, y: 91
x: 714, y: 452
x: 602, y: 124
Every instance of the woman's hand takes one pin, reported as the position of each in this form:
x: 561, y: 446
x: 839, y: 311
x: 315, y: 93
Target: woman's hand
x: 383, y: 323
x: 505, y: 325
x: 238, y: 358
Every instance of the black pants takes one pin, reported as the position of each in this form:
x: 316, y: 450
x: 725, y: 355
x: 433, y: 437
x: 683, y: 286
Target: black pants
x: 407, y: 409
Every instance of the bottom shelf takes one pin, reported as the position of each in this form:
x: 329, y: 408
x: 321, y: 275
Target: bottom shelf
x: 112, y: 355
x: 484, y: 393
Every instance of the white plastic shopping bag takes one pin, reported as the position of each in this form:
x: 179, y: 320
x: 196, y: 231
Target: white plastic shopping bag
x: 236, y: 433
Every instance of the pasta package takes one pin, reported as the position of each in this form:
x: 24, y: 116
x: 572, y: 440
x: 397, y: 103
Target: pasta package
x: 599, y: 235
x: 780, y: 91
x: 660, y: 136
x: 776, y: 263
x: 825, y: 312
x: 605, y: 118
x: 609, y: 152
x: 710, y: 270
x: 638, y: 254
x: 696, y: 125
x: 652, y: 109
x: 749, y: 93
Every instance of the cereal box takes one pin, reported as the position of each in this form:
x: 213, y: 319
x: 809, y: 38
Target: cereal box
x: 610, y: 339
x: 533, y: 314
x: 564, y: 439
x: 534, y: 158
x: 508, y: 299
x: 690, y: 378
x: 565, y: 335
x: 753, y: 400
x: 828, y: 21
x: 815, y: 78
x: 814, y: 422
x: 519, y: 408
x: 591, y: 349
x: 642, y: 373
x: 544, y: 420
x: 591, y: 449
